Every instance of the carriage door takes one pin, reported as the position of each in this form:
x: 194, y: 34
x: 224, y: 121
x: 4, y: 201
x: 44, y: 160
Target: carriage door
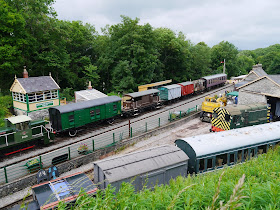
x: 79, y: 117
x: 109, y: 110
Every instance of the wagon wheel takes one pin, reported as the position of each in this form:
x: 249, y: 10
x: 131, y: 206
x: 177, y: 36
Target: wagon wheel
x: 72, y: 133
x: 111, y: 121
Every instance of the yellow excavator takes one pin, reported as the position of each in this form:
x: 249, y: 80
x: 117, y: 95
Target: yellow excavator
x: 209, y: 104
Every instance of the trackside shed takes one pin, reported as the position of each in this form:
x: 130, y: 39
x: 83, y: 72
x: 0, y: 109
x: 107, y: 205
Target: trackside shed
x: 153, y: 166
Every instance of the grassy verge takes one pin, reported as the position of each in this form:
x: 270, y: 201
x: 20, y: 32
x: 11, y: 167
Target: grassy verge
x: 252, y: 185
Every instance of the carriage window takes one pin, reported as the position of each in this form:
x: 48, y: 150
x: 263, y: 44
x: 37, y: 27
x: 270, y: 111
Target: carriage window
x: 97, y: 111
x: 253, y: 153
x: 92, y: 113
x: 239, y: 156
x: 221, y: 160
x: 209, y: 163
x: 262, y: 149
x: 231, y: 158
x: 201, y: 164
x: 246, y: 154
x: 71, y: 118
x: 114, y: 107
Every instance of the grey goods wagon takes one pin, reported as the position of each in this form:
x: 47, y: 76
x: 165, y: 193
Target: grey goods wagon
x: 170, y: 92
x: 154, y: 166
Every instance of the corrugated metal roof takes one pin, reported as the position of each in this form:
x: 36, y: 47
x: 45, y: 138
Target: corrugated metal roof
x: 86, y: 104
x: 233, y: 139
x: 38, y: 84
x: 85, y: 95
x: 185, y: 83
x: 142, y: 93
x: 213, y: 76
x: 171, y: 86
x: 141, y: 162
x: 19, y: 119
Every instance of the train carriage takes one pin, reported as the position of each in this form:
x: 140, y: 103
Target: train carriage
x: 214, y: 80
x: 215, y: 150
x: 138, y: 101
x: 72, y: 116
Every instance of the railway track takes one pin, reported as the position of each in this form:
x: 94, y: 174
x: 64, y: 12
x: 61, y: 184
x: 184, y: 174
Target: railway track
x: 64, y: 141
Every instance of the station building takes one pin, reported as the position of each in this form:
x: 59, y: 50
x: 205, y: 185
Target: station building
x: 32, y: 94
x: 259, y: 87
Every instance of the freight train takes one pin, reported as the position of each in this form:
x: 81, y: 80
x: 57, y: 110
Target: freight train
x: 69, y: 118
x: 20, y: 135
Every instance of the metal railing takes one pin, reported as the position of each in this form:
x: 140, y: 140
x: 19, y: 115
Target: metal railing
x: 21, y: 169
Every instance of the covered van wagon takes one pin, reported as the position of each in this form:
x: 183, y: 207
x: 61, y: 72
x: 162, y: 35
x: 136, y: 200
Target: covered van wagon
x: 152, y: 166
x: 187, y: 88
x: 170, y: 92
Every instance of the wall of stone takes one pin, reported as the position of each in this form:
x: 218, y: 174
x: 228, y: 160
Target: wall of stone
x: 30, y: 180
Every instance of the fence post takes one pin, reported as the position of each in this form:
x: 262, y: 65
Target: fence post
x: 69, y: 153
x: 180, y: 114
x: 6, y: 177
x: 196, y: 108
x: 92, y: 144
x: 146, y: 127
x: 130, y: 131
x: 113, y: 137
x: 159, y: 122
x: 40, y: 161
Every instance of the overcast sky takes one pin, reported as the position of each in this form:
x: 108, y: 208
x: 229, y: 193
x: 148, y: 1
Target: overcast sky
x: 248, y: 24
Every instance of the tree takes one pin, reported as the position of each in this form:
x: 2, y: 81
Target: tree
x: 201, y: 60
x: 131, y: 47
x: 224, y: 50
x: 12, y: 40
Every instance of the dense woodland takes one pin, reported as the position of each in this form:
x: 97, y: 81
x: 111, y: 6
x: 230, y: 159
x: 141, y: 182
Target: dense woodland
x: 119, y: 59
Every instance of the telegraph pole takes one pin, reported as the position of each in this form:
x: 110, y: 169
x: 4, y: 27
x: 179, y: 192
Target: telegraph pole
x: 224, y: 69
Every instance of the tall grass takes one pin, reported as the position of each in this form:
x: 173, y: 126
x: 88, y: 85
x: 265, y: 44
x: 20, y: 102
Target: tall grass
x: 252, y: 185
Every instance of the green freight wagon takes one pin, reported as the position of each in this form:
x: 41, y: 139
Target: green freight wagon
x: 72, y: 116
x: 238, y: 116
x: 21, y: 133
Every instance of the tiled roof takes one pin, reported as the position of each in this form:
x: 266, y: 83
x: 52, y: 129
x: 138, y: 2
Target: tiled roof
x: 38, y: 84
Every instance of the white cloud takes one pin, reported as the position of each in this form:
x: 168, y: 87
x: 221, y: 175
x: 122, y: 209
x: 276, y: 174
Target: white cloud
x: 248, y: 24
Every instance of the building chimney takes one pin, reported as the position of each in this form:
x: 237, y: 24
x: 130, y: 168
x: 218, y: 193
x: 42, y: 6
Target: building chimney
x: 89, y: 85
x: 25, y: 73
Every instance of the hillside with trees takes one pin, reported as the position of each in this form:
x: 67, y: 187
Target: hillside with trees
x: 119, y: 59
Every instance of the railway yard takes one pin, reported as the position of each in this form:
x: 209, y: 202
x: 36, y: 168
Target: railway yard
x: 191, y: 128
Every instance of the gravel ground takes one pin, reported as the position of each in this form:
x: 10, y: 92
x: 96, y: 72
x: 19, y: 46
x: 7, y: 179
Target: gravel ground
x: 191, y: 128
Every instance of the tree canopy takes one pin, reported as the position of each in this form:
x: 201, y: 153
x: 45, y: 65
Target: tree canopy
x: 124, y: 56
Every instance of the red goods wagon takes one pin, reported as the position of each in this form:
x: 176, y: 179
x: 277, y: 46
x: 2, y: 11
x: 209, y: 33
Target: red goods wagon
x: 187, y: 88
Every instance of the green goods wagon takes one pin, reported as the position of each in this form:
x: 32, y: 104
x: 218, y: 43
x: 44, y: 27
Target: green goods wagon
x: 238, y: 116
x: 71, y: 116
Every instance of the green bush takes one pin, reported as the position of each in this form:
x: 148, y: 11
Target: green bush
x: 5, y: 103
x: 221, y: 189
